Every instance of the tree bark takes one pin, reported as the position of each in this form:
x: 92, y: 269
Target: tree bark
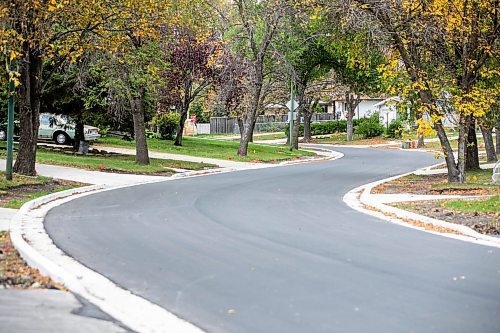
x: 240, y: 126
x: 141, y: 144
x: 351, y: 103
x: 296, y: 122
x: 489, y: 146
x: 420, y: 135
x: 180, y: 128
x: 29, y: 113
x: 497, y: 135
x: 307, y: 127
x: 251, y: 116
x: 79, y: 131
x: 472, y: 151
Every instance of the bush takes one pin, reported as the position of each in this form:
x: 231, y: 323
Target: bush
x: 167, y: 124
x: 395, y: 129
x: 326, y: 127
x: 370, y: 127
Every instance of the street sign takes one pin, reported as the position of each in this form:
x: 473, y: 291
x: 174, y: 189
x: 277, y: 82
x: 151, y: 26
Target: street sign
x: 295, y: 105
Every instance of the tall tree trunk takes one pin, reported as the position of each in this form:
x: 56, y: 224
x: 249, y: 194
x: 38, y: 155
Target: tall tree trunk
x: 29, y: 112
x: 240, y: 126
x: 489, y: 145
x: 420, y: 135
x: 79, y: 130
x: 251, y: 116
x: 307, y: 126
x: 497, y: 135
x: 472, y: 151
x: 141, y: 144
x: 454, y: 174
x: 351, y: 103
x: 296, y: 122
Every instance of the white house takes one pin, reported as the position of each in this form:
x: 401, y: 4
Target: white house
x: 365, y: 108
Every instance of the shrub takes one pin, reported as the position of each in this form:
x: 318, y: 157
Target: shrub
x: 167, y: 124
x: 395, y: 129
x: 326, y: 127
x: 370, y: 127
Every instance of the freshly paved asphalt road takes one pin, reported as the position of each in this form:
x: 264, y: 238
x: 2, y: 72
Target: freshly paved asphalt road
x: 276, y: 250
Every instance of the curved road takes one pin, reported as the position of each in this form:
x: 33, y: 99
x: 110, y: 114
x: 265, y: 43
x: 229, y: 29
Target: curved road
x: 276, y: 250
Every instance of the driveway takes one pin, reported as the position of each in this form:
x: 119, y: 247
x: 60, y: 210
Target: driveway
x: 277, y: 250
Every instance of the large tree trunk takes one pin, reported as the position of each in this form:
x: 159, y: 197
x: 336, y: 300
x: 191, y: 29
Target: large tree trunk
x: 296, y: 122
x: 307, y: 126
x: 79, y: 131
x: 454, y: 174
x: 497, y: 135
x: 180, y: 128
x: 471, y: 151
x: 251, y: 116
x: 240, y: 126
x: 420, y: 135
x: 29, y: 112
x: 138, y: 112
x: 489, y: 146
x: 351, y: 103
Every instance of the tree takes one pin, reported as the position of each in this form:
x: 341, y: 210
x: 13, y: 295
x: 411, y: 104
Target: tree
x: 260, y: 21
x: 191, y: 70
x: 444, y: 46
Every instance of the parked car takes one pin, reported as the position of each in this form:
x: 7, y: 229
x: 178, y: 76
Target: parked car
x: 57, y: 128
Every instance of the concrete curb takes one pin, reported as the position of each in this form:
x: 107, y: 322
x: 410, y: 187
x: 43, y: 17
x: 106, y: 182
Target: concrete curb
x: 361, y: 196
x: 38, y: 250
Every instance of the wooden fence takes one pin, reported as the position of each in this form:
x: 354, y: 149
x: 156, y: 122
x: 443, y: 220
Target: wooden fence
x: 268, y: 123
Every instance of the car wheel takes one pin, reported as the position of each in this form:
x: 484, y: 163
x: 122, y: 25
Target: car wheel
x: 61, y: 138
x: 3, y: 135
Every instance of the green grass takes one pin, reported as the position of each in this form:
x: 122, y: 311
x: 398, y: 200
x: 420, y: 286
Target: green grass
x: 273, y: 136
x: 120, y: 163
x: 491, y: 205
x: 219, y: 149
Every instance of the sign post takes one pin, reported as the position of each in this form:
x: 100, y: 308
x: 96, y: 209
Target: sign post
x: 292, y: 105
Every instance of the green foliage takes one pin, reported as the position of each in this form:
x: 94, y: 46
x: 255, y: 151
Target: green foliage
x: 201, y: 115
x: 370, y: 127
x: 167, y: 124
x: 326, y: 127
x: 395, y: 129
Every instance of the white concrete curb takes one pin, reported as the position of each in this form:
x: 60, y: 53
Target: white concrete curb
x: 360, y: 196
x: 38, y: 250
x: 35, y: 246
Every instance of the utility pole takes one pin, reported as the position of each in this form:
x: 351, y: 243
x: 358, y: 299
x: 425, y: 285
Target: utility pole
x: 10, y: 129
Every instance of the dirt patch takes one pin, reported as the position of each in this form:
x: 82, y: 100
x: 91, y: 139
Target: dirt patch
x: 482, y: 222
x: 14, y: 196
x: 433, y: 185
x: 14, y: 273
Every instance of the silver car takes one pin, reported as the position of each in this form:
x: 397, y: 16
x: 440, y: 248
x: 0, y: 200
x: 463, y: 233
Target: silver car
x: 57, y: 128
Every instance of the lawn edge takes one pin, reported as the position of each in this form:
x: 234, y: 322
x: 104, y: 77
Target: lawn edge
x: 361, y: 199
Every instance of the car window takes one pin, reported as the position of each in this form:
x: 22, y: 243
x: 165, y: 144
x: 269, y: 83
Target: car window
x: 45, y: 120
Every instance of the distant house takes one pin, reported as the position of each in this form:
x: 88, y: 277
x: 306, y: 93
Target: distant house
x: 364, y: 109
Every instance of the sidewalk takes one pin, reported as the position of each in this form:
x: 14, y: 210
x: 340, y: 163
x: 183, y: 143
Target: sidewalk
x: 168, y: 156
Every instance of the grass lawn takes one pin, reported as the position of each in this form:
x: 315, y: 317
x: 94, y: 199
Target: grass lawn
x: 272, y: 136
x: 13, y: 194
x: 490, y: 205
x: 219, y: 149
x: 119, y: 163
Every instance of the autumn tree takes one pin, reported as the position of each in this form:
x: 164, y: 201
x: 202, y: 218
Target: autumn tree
x: 444, y: 46
x: 191, y: 69
x: 259, y: 22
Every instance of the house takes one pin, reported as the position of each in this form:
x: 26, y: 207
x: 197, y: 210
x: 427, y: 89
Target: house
x: 364, y: 109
